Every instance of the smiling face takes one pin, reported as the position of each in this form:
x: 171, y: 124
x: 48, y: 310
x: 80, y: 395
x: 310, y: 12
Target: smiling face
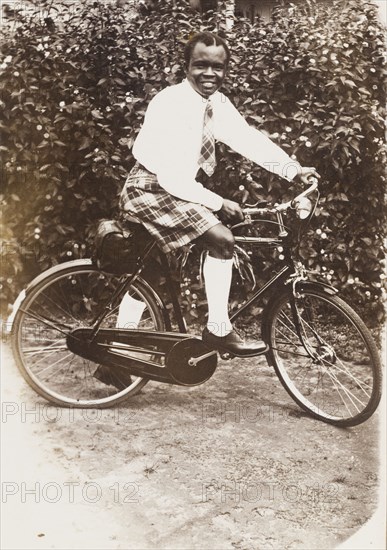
x: 207, y: 68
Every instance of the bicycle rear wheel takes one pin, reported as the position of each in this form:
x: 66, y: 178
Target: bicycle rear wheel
x: 71, y: 298
x: 329, y: 365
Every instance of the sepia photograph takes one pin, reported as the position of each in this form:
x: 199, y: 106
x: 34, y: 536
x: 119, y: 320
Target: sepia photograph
x: 193, y: 274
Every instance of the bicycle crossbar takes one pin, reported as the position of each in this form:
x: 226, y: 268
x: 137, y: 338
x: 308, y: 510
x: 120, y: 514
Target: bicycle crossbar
x: 259, y: 240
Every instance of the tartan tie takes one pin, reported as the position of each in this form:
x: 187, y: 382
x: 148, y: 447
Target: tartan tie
x: 207, y: 159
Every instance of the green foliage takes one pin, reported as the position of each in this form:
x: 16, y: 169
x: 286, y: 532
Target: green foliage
x: 315, y: 81
x: 75, y: 86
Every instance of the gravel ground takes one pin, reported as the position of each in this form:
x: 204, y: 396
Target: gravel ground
x: 231, y: 464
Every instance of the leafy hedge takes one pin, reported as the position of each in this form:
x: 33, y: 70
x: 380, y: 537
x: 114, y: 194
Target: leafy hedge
x: 75, y: 85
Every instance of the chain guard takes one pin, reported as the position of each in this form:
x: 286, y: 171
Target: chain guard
x: 142, y: 354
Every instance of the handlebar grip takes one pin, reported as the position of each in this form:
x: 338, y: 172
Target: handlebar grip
x: 313, y: 186
x: 313, y: 180
x: 284, y: 206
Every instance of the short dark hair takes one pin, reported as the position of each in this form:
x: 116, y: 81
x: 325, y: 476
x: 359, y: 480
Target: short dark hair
x: 208, y: 39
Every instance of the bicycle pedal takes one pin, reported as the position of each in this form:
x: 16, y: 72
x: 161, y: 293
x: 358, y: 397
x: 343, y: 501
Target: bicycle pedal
x: 226, y: 356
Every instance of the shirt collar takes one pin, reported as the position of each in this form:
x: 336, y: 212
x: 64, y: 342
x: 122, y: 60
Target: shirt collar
x: 194, y: 94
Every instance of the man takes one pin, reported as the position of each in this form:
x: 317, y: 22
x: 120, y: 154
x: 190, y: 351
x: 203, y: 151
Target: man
x: 176, y: 141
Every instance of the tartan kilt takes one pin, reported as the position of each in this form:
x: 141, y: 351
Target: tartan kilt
x: 173, y: 222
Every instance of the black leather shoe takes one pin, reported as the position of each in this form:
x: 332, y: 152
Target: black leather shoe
x: 113, y: 376
x: 233, y: 343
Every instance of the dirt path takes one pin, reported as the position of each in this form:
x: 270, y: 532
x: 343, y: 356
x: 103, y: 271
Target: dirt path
x: 228, y: 465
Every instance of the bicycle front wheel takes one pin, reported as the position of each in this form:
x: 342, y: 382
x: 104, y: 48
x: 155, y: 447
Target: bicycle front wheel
x: 324, y: 356
x: 70, y: 298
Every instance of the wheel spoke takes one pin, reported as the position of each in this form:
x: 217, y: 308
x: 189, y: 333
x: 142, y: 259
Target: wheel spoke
x: 334, y: 365
x: 51, y: 365
x: 356, y: 380
x: 288, y: 325
x: 288, y: 351
x: 47, y: 322
x: 37, y: 351
x: 44, y: 357
x: 55, y: 373
x: 56, y: 304
x: 336, y: 378
x: 61, y: 303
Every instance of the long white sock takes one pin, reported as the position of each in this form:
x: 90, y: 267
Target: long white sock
x: 129, y: 316
x: 217, y: 277
x: 129, y: 312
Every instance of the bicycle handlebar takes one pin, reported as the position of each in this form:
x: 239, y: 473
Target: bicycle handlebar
x: 249, y: 211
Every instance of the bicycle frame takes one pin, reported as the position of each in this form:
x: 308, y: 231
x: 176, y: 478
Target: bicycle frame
x: 126, y: 280
x: 288, y: 271
x: 321, y: 350
x: 281, y: 276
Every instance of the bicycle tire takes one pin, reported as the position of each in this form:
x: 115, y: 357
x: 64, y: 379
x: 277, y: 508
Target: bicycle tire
x: 55, y: 305
x: 333, y: 372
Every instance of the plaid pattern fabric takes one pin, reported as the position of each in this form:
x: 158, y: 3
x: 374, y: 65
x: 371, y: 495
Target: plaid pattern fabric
x: 172, y: 221
x: 207, y: 159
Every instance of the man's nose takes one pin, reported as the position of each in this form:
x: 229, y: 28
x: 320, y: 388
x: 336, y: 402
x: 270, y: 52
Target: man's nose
x: 209, y: 70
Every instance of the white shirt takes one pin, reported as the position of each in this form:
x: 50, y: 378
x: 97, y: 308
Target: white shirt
x: 170, y: 141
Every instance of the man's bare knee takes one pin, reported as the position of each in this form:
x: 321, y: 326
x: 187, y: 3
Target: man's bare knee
x: 220, y: 242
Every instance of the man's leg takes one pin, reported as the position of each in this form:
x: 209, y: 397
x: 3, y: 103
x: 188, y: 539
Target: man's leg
x: 129, y: 316
x: 217, y: 270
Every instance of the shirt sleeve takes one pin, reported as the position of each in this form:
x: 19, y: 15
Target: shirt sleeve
x: 234, y: 131
x: 188, y: 189
x: 163, y: 150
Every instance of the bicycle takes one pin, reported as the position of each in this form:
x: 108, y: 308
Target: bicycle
x: 64, y: 329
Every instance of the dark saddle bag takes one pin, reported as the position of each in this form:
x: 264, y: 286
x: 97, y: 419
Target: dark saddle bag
x: 118, y: 246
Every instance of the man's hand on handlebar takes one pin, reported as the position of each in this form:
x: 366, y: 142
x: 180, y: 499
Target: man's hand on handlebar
x: 231, y: 210
x: 307, y: 172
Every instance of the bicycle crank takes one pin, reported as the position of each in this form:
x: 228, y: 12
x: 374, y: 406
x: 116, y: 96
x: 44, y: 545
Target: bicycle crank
x: 190, y: 363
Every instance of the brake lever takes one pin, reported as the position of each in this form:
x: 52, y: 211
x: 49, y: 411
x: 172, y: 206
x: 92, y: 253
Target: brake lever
x: 311, y: 189
x: 258, y: 204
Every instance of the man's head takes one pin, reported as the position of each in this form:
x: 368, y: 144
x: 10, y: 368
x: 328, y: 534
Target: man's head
x: 206, y: 60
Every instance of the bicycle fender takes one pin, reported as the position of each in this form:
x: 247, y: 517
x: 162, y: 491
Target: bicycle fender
x: 310, y: 285
x: 317, y: 285
x: 287, y: 288
x: 56, y: 269
x: 36, y: 281
x: 62, y: 267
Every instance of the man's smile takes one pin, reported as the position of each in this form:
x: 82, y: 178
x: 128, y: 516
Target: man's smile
x: 208, y: 83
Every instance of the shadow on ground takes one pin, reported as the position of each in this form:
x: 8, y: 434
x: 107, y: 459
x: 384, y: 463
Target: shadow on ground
x: 231, y: 464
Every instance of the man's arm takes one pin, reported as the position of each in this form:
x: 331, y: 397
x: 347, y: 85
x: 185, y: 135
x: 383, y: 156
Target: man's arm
x: 179, y: 184
x: 254, y: 145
